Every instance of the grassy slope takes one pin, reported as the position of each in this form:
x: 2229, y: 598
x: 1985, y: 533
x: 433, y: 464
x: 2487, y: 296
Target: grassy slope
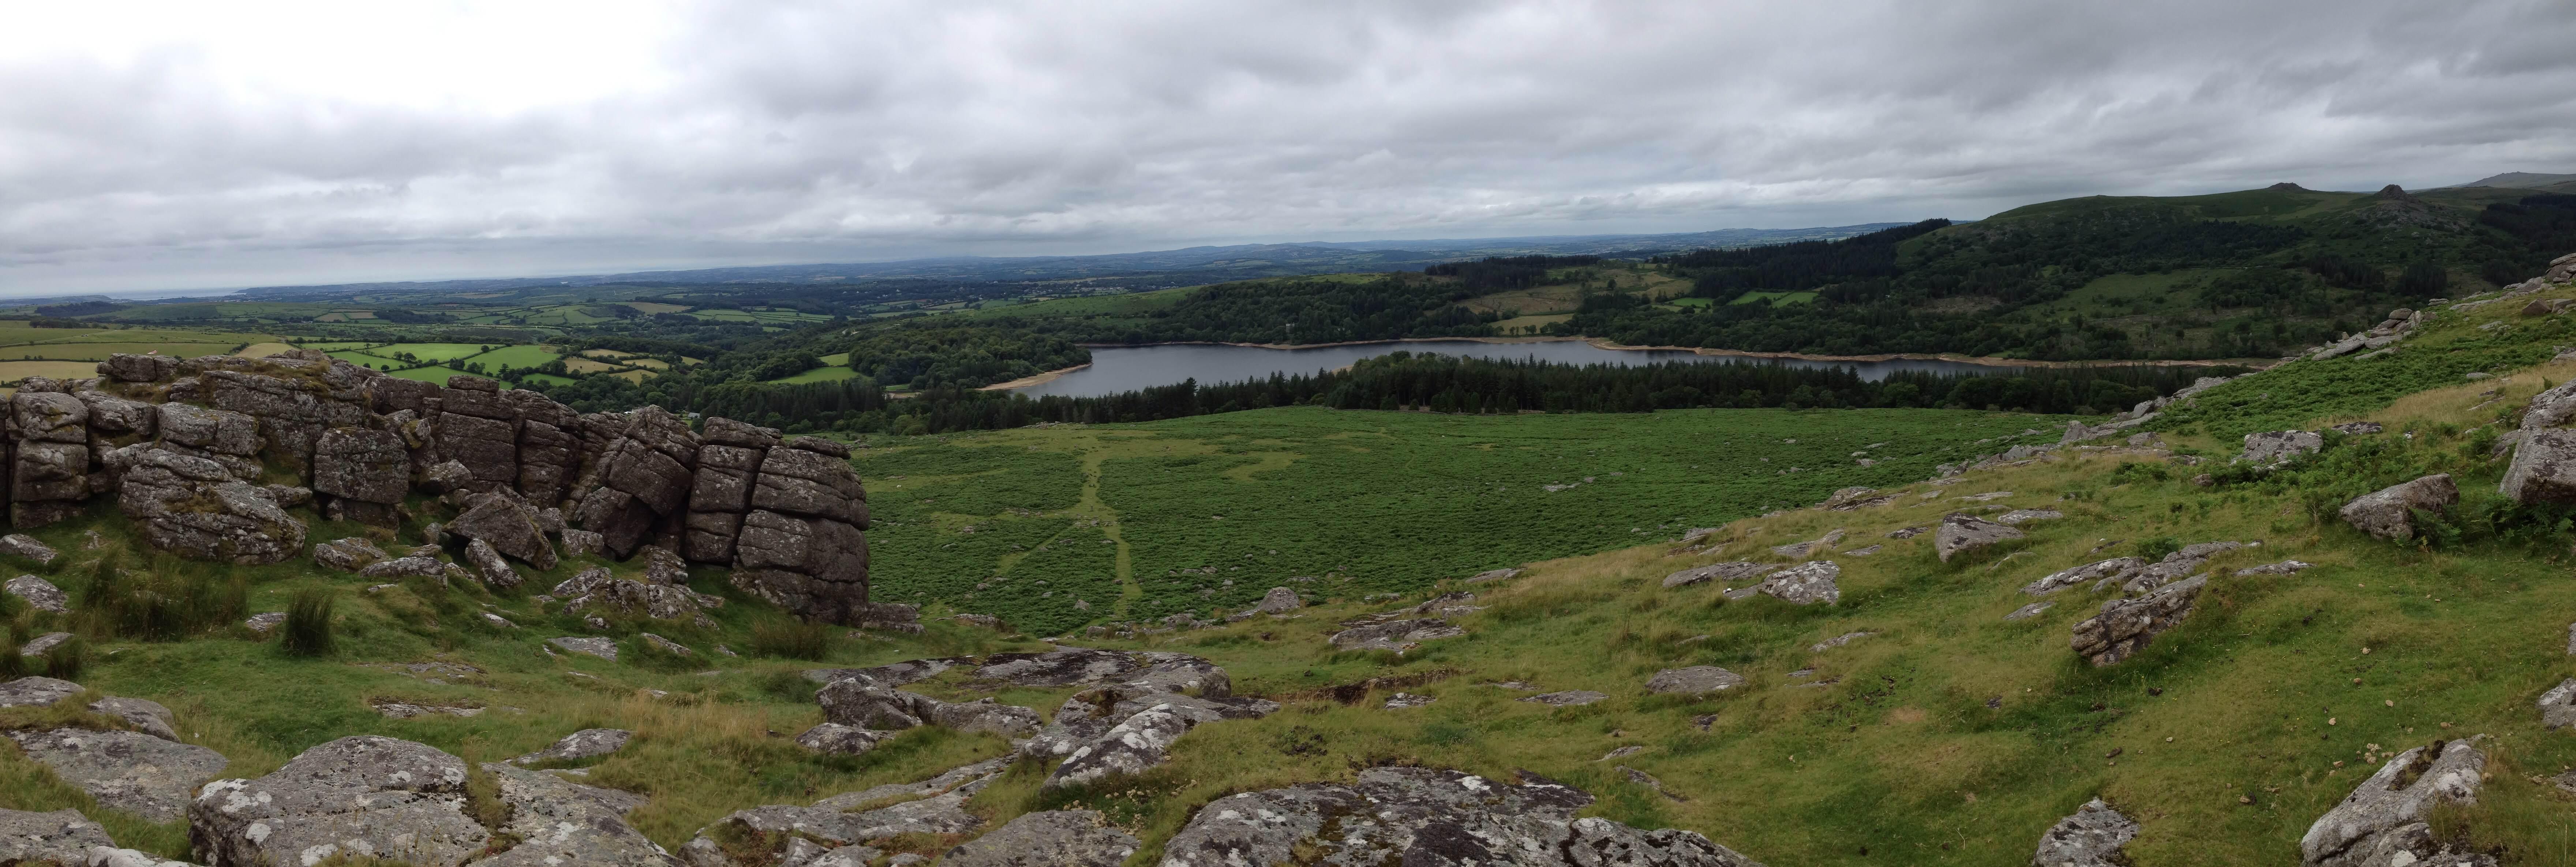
x: 1952, y: 736
x: 1361, y: 502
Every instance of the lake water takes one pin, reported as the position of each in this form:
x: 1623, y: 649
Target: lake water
x: 1128, y: 368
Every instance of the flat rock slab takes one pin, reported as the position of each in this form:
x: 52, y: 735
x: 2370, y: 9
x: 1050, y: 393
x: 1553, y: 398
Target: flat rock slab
x: 1960, y: 533
x: 584, y: 744
x: 147, y: 716
x: 63, y: 837
x: 1695, y: 680
x: 566, y: 824
x: 129, y: 771
x: 1419, y: 817
x: 599, y: 646
x: 2029, y: 611
x: 23, y: 545
x: 36, y: 691
x: 2384, y: 815
x: 1064, y: 666
x: 1568, y: 698
x: 1053, y: 838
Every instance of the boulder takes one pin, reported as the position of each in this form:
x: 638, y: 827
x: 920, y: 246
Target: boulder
x: 356, y: 796
x: 25, y: 546
x: 584, y: 744
x: 405, y: 567
x: 560, y: 823
x: 2384, y: 816
x: 43, y: 645
x: 61, y: 837
x: 1729, y: 572
x: 1280, y: 600
x: 362, y: 464
x: 853, y: 702
x: 440, y: 478
x: 347, y: 555
x: 727, y: 432
x: 1805, y: 584
x: 2125, y: 625
x: 583, y: 543
x: 2093, y: 837
x: 40, y: 594
x: 36, y: 692
x: 1052, y: 838
x: 149, y: 717
x: 546, y: 459
x: 131, y: 771
x: 193, y: 507
x: 596, y: 588
x: 1064, y: 666
x: 50, y: 417
x: 2389, y: 513
x: 1695, y: 680
x: 840, y: 740
x: 2558, y: 705
x: 1962, y: 533
x: 509, y: 525
x: 1133, y: 746
x: 1422, y: 817
x: 495, y: 571
x: 723, y: 481
x: 2274, y: 448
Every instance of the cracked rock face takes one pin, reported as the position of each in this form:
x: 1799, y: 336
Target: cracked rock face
x: 193, y: 507
x: 2093, y: 837
x: 2099, y: 570
x: 370, y: 796
x: 129, y: 771
x: 2125, y: 625
x: 1064, y: 666
x: 362, y: 464
x: 2384, y: 816
x: 1420, y: 817
x: 832, y: 831
x: 509, y: 525
x: 1053, y: 838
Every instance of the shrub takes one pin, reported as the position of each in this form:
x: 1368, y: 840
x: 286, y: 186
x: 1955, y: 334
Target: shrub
x: 307, y: 631
x: 791, y: 639
x: 2157, y: 548
x: 65, y: 661
x: 170, y: 600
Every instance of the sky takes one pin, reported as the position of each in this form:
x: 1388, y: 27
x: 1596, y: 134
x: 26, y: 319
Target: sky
x: 196, y: 145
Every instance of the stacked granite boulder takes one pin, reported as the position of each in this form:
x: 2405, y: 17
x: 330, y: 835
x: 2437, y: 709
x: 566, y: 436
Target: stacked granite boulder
x: 183, y: 446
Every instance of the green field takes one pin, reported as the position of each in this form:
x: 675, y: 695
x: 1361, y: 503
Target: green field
x: 820, y: 374
x: 1775, y: 299
x: 1359, y: 502
x: 523, y: 355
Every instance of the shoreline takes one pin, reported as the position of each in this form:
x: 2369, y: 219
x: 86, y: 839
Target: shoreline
x: 1026, y: 381
x: 1604, y: 343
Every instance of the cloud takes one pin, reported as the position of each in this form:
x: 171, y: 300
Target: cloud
x: 191, y: 145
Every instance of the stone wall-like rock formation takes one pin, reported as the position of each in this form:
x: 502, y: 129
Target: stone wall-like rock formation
x: 184, y: 445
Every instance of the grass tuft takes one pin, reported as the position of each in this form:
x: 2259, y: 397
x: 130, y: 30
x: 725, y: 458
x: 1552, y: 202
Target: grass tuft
x: 790, y: 638
x: 307, y: 631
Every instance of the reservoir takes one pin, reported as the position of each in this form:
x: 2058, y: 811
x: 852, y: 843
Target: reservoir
x: 1127, y: 368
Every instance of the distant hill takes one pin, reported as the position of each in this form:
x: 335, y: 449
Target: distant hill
x: 1202, y: 264
x: 2524, y: 181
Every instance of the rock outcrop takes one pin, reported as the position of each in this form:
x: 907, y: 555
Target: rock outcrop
x: 2274, y: 448
x: 830, y: 830
x: 2383, y: 821
x: 185, y: 446
x: 2544, y: 456
x: 1422, y: 817
x: 584, y: 744
x: 2389, y: 513
x: 1695, y: 680
x: 2128, y: 624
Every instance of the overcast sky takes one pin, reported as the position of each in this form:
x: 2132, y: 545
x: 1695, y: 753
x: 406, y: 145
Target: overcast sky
x: 229, y: 144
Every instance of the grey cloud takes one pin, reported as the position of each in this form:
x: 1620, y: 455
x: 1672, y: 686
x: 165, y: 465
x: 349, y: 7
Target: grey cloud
x: 804, y: 132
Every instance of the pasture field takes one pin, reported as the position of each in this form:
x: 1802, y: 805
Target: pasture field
x: 586, y: 365
x: 1563, y: 296
x: 1775, y: 299
x: 820, y: 374
x: 520, y: 355
x: 658, y: 307
x: 14, y: 371
x: 430, y: 351
x: 1211, y: 512
x: 263, y: 350
x: 764, y: 316
x: 606, y: 353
